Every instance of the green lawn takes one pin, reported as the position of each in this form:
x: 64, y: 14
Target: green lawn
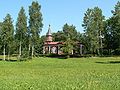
x: 61, y: 74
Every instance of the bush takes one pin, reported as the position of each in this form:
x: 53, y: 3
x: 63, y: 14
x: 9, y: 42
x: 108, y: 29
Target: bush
x: 116, y: 52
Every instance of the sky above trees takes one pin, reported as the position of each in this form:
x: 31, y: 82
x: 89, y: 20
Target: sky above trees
x: 57, y: 12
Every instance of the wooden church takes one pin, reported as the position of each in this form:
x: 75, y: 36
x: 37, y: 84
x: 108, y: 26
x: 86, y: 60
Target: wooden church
x: 51, y: 47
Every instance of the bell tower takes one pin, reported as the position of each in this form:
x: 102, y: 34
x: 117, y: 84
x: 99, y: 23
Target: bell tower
x: 49, y: 35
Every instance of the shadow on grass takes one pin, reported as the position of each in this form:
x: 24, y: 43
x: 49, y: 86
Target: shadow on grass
x: 109, y: 62
x: 11, y: 60
x: 8, y: 60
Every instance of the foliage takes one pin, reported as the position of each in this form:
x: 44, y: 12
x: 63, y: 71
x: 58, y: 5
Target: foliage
x: 59, y: 36
x: 100, y: 37
x: 0, y: 38
x: 112, y: 31
x: 70, y: 37
x: 7, y: 34
x: 39, y: 46
x: 67, y: 47
x: 35, y: 23
x: 21, y: 31
x: 70, y: 31
x: 70, y: 34
x: 25, y: 38
x: 94, y: 26
x: 21, y: 25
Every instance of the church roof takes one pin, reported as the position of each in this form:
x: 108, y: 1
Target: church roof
x: 53, y: 43
x: 49, y: 31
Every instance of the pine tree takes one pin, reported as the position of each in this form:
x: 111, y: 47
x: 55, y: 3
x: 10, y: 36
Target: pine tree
x: 94, y: 26
x: 112, y: 34
x: 70, y: 36
x: 7, y: 34
x: 21, y: 30
x: 0, y: 38
x: 35, y: 23
x: 67, y: 47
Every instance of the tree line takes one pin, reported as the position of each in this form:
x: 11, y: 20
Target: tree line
x: 22, y: 39
x: 101, y: 36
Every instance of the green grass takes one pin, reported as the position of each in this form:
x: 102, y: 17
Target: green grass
x: 61, y: 74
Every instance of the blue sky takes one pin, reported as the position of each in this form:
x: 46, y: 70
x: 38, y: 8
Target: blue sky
x: 57, y: 12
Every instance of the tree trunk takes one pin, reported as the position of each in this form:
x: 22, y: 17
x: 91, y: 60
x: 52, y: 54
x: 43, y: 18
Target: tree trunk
x: 68, y: 56
x: 8, y: 52
x: 98, y: 51
x: 20, y: 50
x: 32, y: 50
x: 29, y: 50
x: 4, y: 53
x: 8, y: 56
x: 81, y: 49
x: 29, y: 47
x: 101, y: 46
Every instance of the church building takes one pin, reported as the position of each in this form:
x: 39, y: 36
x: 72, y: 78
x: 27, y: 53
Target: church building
x: 51, y: 47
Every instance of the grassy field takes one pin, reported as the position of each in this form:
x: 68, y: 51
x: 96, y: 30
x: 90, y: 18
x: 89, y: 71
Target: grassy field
x: 61, y: 74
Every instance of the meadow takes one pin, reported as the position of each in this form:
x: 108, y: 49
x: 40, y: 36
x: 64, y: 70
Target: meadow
x: 61, y: 74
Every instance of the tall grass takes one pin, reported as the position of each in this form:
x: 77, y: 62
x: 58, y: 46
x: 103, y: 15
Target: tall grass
x: 61, y: 74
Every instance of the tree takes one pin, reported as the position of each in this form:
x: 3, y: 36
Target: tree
x: 7, y: 34
x: 0, y: 37
x: 112, y: 32
x: 115, y: 26
x: 39, y: 45
x: 70, y: 30
x: 21, y: 30
x: 94, y: 26
x: 35, y: 23
x: 108, y: 37
x: 67, y: 47
x: 87, y: 23
x: 59, y: 36
x: 70, y: 37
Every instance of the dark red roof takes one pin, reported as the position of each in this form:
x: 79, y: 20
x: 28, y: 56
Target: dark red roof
x: 52, y: 43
